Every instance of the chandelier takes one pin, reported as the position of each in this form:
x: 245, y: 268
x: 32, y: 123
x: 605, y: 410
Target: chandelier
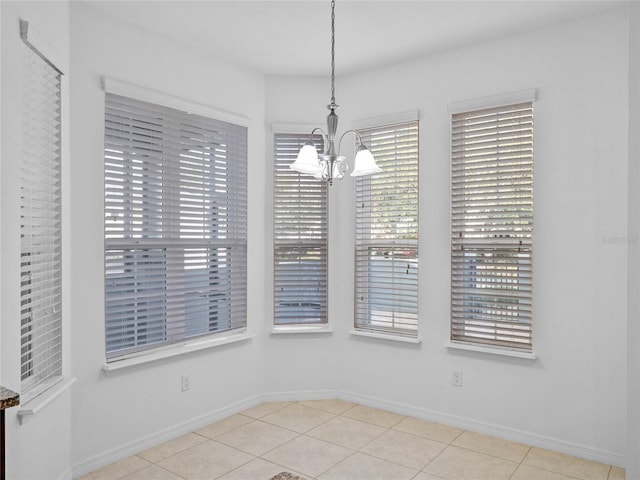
x: 330, y: 165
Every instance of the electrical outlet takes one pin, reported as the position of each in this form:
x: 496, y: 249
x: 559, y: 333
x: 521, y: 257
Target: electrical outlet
x: 457, y: 378
x: 186, y: 382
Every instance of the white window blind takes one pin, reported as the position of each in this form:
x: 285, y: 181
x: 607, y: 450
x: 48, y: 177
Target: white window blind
x: 492, y: 226
x: 300, y: 237
x: 386, y: 269
x: 40, y: 219
x: 175, y: 225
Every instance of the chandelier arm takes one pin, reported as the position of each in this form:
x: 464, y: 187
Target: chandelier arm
x: 322, y: 132
x: 359, y: 138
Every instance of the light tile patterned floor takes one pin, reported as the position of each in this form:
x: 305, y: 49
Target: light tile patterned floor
x: 338, y: 440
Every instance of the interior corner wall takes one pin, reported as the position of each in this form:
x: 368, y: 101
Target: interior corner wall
x: 47, y: 435
x: 305, y: 365
x: 573, y: 398
x: 633, y: 286
x: 115, y: 415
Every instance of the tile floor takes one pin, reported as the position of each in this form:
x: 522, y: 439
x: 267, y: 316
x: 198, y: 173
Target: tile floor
x: 338, y: 440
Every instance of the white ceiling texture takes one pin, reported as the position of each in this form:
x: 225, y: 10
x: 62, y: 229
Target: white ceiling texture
x: 292, y: 37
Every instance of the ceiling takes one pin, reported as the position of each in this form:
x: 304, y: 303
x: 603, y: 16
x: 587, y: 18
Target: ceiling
x: 292, y: 37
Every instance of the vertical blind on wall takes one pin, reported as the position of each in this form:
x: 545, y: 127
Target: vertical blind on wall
x: 40, y: 220
x: 299, y: 237
x: 492, y: 226
x: 386, y: 263
x: 175, y: 225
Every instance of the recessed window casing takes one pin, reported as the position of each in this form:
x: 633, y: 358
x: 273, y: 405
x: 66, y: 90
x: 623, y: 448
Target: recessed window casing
x: 175, y: 225
x: 40, y: 221
x: 386, y: 250
x: 492, y: 226
x: 300, y: 205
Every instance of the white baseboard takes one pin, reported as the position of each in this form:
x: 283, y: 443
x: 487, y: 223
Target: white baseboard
x: 527, y: 438
x: 149, y: 441
x: 300, y: 396
x: 535, y: 440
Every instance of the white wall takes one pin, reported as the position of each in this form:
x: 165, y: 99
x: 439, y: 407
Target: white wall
x: 47, y: 435
x: 573, y: 397
x: 115, y: 415
x: 633, y: 287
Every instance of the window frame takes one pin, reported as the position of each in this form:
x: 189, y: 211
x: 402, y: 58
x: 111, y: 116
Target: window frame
x: 514, y: 245
x: 404, y: 308
x: 185, y: 239
x: 287, y: 141
x: 42, y: 210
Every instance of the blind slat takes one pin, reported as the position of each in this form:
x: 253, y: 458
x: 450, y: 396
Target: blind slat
x: 300, y: 204
x: 40, y: 216
x: 386, y: 270
x: 492, y: 226
x: 175, y: 225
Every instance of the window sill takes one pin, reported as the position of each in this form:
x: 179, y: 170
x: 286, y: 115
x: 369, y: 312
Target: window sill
x: 301, y: 329
x: 383, y: 336
x: 501, y: 352
x: 174, y: 351
x: 40, y: 401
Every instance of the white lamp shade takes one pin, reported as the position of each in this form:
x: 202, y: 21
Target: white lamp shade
x: 364, y: 163
x: 307, y: 161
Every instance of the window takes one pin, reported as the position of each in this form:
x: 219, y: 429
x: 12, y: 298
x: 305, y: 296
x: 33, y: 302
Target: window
x: 386, y: 269
x: 492, y: 225
x: 40, y: 220
x: 175, y: 225
x: 300, y: 237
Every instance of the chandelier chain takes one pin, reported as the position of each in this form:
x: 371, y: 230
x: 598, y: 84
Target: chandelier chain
x: 330, y: 165
x: 333, y: 52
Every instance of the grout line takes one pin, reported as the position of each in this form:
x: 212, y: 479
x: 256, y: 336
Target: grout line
x: 359, y: 450
x: 298, y: 435
x: 457, y: 436
x: 521, y: 460
x: 434, y: 458
x: 483, y: 453
x: 234, y: 469
x: 552, y: 471
x: 337, y: 463
x: 169, y: 471
x: 302, y: 402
